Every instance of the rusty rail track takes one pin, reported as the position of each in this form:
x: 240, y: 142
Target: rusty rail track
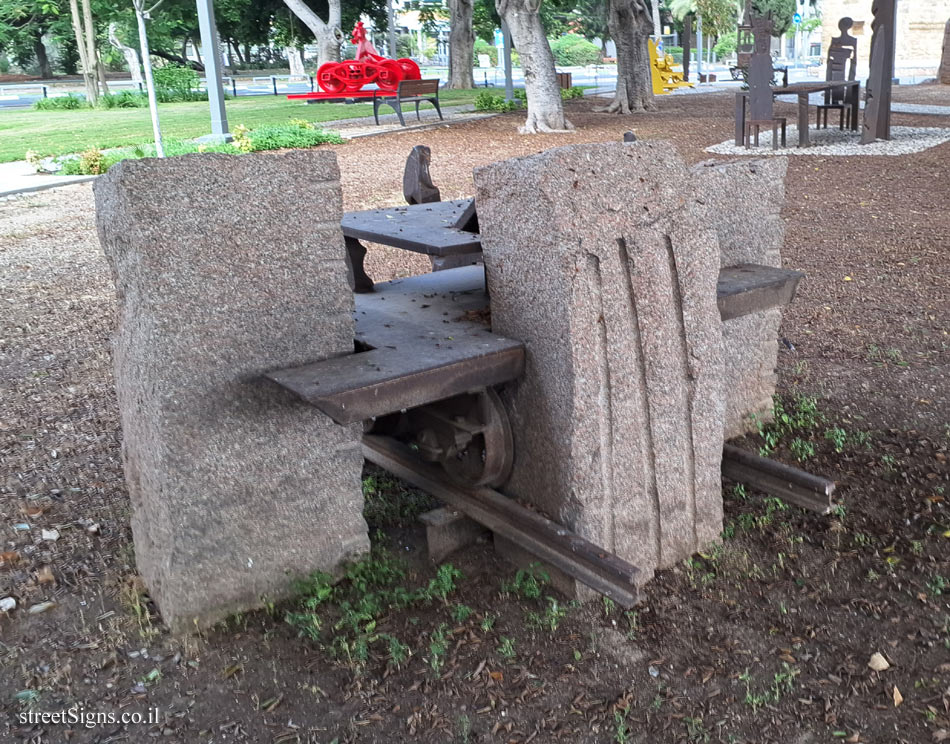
x: 602, y: 571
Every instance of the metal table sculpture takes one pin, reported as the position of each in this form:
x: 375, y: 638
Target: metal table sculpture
x: 877, y: 109
x: 346, y: 79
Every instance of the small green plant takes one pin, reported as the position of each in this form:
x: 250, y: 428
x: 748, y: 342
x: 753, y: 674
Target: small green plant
x: 695, y: 729
x: 838, y: 438
x: 506, y: 648
x: 548, y: 619
x: 609, y: 606
x: 461, y: 613
x: 464, y: 727
x: 622, y: 730
x: 889, y: 462
x: 783, y: 683
x: 633, y: 623
x: 528, y: 582
x: 571, y: 93
x: 739, y: 491
x: 438, y: 646
x: 937, y: 585
x: 802, y: 449
x: 443, y: 584
x: 488, y: 622
x: 398, y: 651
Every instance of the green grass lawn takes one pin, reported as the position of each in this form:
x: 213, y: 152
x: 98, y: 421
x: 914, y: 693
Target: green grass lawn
x: 61, y: 132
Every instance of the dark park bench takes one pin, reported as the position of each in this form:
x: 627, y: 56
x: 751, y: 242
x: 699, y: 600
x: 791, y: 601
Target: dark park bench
x: 409, y: 91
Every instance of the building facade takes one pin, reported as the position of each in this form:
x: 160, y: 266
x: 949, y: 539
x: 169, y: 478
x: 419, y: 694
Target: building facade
x: 920, y: 30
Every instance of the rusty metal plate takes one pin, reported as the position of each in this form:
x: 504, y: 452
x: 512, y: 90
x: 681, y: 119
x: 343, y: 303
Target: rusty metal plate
x: 427, y: 342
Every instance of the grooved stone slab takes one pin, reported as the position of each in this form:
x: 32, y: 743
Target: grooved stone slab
x: 598, y: 260
x: 743, y: 202
x: 235, y: 486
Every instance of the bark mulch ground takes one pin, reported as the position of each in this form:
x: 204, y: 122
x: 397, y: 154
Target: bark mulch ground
x: 765, y: 638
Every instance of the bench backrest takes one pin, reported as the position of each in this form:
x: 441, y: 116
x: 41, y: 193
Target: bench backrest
x: 428, y: 87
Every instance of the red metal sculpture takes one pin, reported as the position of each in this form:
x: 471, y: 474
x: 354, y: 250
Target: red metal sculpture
x: 368, y: 67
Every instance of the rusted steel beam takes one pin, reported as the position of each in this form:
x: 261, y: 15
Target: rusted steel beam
x: 785, y: 481
x: 550, y: 542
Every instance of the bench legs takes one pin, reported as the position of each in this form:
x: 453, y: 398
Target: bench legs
x: 355, y: 253
x: 396, y: 105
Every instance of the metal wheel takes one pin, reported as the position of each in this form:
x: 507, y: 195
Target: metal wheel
x: 410, y: 70
x: 389, y: 75
x: 487, y: 459
x: 328, y: 77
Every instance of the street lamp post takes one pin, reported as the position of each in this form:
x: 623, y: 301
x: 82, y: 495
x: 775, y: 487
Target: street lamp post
x: 212, y: 61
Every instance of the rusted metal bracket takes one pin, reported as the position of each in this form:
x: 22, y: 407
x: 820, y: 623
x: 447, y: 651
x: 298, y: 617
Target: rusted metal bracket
x: 550, y: 542
x: 789, y: 483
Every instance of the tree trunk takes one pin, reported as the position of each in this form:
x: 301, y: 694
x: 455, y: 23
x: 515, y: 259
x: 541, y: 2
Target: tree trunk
x: 92, y: 48
x: 461, y: 44
x: 88, y: 69
x: 42, y: 59
x: 325, y: 32
x: 687, y: 44
x: 943, y: 73
x: 131, y: 56
x: 630, y: 27
x: 545, y: 108
x: 295, y: 60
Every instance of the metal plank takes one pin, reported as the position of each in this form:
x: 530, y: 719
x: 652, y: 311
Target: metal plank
x: 424, y: 228
x: 552, y: 543
x: 751, y: 288
x: 426, y: 343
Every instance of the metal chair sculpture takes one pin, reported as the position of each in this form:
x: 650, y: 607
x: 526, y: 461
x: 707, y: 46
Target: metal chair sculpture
x: 761, y: 104
x: 842, y: 51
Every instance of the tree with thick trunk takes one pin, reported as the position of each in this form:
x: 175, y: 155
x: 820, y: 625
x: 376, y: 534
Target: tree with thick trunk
x: 461, y: 44
x: 295, y: 60
x: 42, y: 58
x: 630, y: 27
x: 327, y: 33
x: 131, y: 56
x: 545, y: 108
x: 943, y: 73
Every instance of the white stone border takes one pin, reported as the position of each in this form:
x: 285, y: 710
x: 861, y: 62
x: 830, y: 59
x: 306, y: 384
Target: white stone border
x: 833, y: 141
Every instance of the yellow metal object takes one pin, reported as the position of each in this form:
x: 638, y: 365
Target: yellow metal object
x: 662, y: 74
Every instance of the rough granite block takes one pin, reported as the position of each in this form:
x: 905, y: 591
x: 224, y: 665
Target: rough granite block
x: 743, y: 201
x: 225, y: 267
x: 598, y: 259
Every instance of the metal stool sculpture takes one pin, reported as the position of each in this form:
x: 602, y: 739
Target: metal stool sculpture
x: 760, y: 86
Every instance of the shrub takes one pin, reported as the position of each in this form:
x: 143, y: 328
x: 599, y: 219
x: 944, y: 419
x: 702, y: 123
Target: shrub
x: 68, y: 102
x: 488, y: 101
x: 280, y: 136
x: 175, y: 79
x: 726, y: 45
x: 573, y: 50
x: 124, y: 99
x: 483, y: 47
x: 572, y: 92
